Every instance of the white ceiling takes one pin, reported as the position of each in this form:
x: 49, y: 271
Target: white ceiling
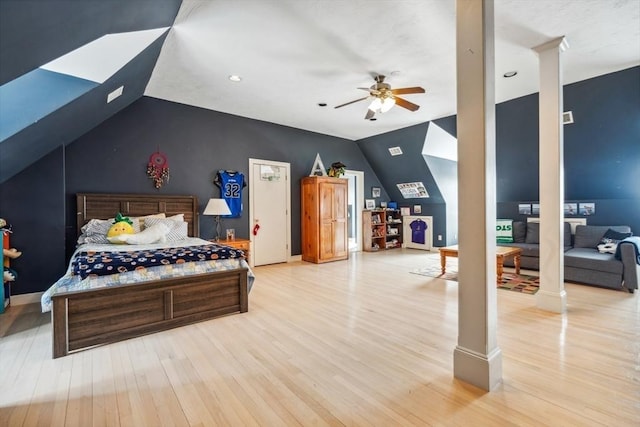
x: 294, y: 54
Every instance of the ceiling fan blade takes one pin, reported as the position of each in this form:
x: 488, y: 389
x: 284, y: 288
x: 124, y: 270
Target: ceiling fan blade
x: 406, y: 104
x: 351, y: 102
x: 370, y: 114
x: 407, y: 90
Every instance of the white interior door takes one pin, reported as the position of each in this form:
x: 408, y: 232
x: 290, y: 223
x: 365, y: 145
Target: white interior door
x: 355, y: 205
x: 269, y: 200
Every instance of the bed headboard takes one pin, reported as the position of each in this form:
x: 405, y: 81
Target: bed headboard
x: 105, y: 206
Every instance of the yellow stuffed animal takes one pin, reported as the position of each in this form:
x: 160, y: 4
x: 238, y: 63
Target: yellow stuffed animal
x: 121, y: 225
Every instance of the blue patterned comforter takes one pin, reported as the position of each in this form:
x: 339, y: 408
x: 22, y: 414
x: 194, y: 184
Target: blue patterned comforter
x: 74, y: 282
x: 100, y: 263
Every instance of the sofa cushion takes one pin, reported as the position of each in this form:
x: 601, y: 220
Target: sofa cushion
x: 567, y: 234
x: 533, y: 232
x: 589, y: 236
x: 519, y: 232
x: 591, y: 259
x: 528, y: 249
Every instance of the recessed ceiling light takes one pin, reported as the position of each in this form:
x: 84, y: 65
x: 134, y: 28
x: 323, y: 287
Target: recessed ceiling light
x: 373, y: 119
x: 509, y: 74
x: 322, y: 104
x: 235, y: 78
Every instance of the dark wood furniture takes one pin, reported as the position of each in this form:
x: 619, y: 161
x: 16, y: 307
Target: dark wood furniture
x: 324, y: 219
x: 88, y: 318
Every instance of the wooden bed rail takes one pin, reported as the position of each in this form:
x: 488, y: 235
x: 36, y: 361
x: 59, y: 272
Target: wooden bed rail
x: 89, y: 318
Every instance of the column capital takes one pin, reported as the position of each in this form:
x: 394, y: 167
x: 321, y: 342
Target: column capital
x: 559, y: 42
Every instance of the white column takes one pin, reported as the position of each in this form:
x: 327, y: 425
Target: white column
x: 477, y: 358
x: 551, y: 296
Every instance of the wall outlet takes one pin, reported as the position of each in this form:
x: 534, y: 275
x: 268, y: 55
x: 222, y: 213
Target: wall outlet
x: 439, y: 236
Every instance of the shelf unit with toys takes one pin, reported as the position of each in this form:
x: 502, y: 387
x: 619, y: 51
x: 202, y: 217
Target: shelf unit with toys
x: 393, y: 237
x: 5, y: 289
x: 9, y: 275
x: 381, y: 229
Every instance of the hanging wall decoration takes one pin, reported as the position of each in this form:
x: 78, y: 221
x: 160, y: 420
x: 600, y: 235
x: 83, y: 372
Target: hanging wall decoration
x: 158, y: 168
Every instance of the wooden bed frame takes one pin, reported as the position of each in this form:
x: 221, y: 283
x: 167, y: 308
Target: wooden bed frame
x: 84, y: 319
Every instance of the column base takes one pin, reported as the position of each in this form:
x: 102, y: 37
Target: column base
x: 552, y: 301
x: 483, y: 371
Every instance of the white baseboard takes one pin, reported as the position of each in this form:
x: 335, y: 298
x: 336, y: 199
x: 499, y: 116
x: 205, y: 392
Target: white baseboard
x: 23, y: 299
x: 294, y: 258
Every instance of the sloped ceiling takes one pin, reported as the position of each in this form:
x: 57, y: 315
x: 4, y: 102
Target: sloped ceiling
x: 53, y: 105
x: 294, y: 54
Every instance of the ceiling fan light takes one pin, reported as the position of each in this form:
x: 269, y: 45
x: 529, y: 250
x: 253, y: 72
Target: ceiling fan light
x: 387, y: 104
x: 376, y: 104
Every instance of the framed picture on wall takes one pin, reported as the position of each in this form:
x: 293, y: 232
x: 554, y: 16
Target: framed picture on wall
x: 570, y: 209
x: 370, y: 204
x: 417, y: 209
x: 524, y: 208
x: 375, y: 192
x: 587, y: 208
x: 535, y: 208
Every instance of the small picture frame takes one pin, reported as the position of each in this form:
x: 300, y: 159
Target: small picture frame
x: 375, y: 192
x: 383, y: 205
x: 370, y: 204
x: 535, y: 208
x: 417, y: 209
x: 524, y: 208
x: 570, y: 209
x: 586, y: 208
x: 231, y: 234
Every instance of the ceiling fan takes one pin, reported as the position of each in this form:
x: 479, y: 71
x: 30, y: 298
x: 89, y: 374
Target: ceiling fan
x: 384, y: 97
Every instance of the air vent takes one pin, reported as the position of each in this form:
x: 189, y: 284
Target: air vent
x: 567, y: 117
x: 116, y: 93
x: 395, y: 151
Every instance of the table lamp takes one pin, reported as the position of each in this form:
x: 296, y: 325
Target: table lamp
x: 217, y: 207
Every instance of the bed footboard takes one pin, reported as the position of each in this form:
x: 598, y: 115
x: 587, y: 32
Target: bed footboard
x: 89, y: 318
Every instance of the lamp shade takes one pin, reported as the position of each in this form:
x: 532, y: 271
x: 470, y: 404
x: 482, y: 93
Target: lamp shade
x: 217, y: 207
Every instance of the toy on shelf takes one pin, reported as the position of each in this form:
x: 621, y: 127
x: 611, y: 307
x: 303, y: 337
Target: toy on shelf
x: 8, y: 274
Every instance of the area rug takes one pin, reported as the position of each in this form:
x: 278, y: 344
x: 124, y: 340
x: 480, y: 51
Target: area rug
x: 510, y: 281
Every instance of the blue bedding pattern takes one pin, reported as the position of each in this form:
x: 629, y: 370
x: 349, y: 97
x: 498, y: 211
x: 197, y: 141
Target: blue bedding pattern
x: 101, y: 263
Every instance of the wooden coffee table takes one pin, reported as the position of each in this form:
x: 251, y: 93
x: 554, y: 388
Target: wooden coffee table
x: 502, y: 252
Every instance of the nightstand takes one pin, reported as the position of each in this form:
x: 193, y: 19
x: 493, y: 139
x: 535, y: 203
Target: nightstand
x: 243, y: 244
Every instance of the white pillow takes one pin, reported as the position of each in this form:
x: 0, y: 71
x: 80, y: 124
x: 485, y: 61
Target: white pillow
x: 153, y: 234
x: 138, y: 221
x: 177, y: 217
x: 178, y: 230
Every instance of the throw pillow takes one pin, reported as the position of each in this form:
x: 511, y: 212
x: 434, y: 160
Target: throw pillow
x: 533, y: 232
x: 504, y: 231
x: 519, y: 231
x: 178, y: 230
x: 610, y: 240
x: 152, y: 234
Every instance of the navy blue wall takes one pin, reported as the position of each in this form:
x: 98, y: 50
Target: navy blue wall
x: 408, y: 167
x: 601, y: 153
x: 601, y: 149
x: 113, y: 157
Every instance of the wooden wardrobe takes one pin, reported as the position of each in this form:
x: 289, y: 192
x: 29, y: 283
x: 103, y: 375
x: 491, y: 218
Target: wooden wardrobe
x: 324, y: 219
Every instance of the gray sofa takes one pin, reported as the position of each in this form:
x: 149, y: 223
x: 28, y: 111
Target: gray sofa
x: 583, y: 263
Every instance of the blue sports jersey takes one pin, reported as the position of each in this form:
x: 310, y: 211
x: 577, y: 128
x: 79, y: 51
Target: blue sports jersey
x: 418, y: 229
x: 231, y: 184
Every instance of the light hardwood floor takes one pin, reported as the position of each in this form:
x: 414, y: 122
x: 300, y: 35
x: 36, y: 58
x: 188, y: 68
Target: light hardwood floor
x: 360, y: 342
